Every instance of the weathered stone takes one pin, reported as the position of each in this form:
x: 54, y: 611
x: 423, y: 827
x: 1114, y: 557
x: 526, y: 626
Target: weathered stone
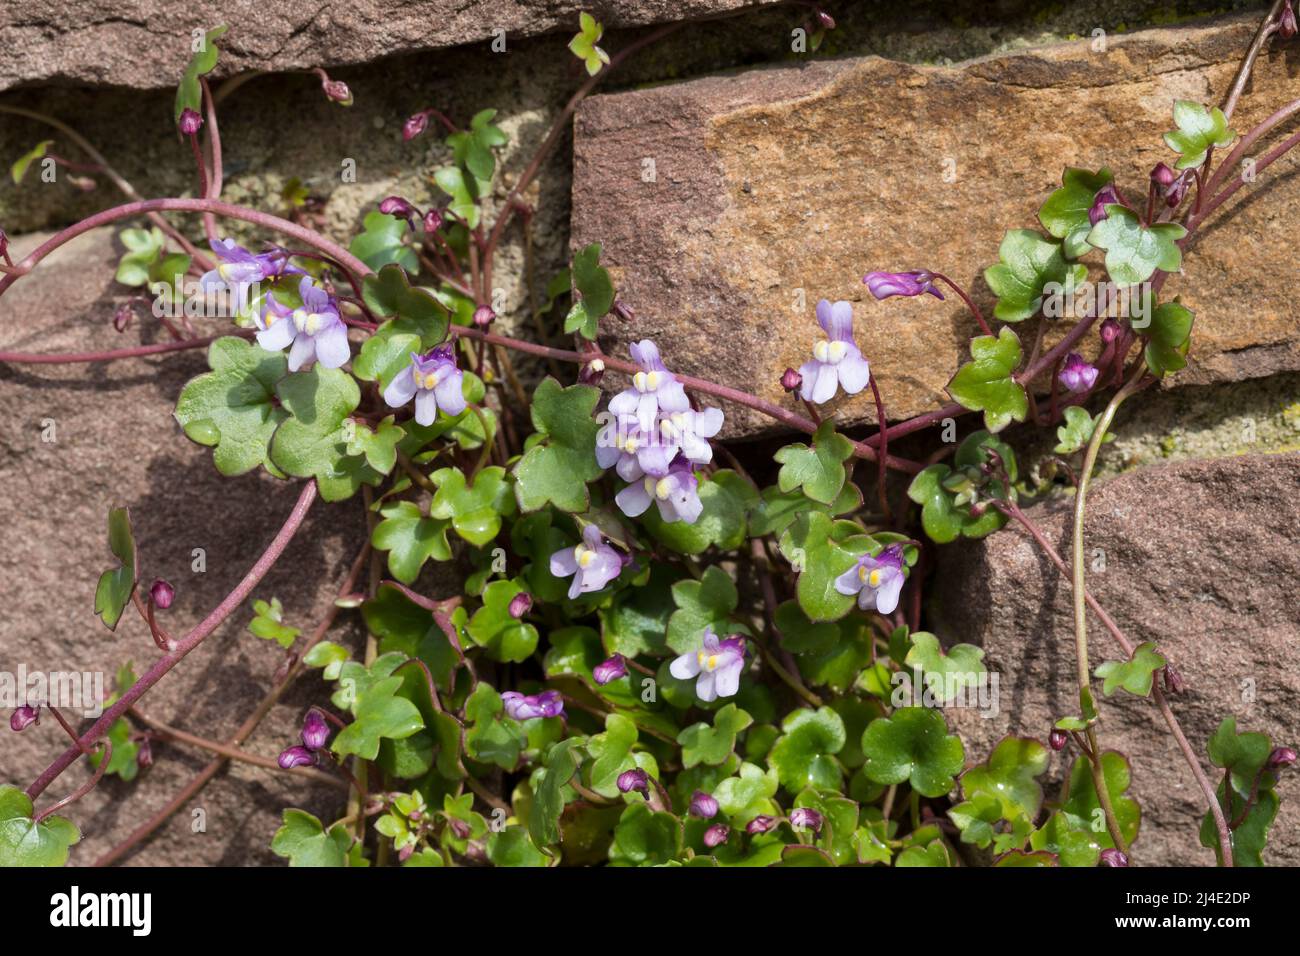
x: 1200, y: 557
x: 115, y: 443
x: 728, y: 205
x: 136, y: 44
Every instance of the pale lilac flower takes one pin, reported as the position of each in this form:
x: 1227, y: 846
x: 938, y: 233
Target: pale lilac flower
x: 593, y: 563
x: 717, y: 665
x: 237, y: 272
x: 1076, y: 374
x: 883, y: 285
x: 716, y: 835
x: 315, y: 732
x: 654, y: 389
x: 836, y: 359
x: 805, y: 818
x: 433, y: 380
x: 635, y: 453
x: 703, y: 805
x: 314, y: 328
x: 549, y: 703
x: 634, y: 781
x: 876, y: 581
x: 24, y: 716
x: 297, y: 756
x: 608, y: 671
x: 676, y: 493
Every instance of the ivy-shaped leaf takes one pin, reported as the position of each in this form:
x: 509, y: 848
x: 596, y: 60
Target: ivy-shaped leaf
x: 775, y: 509
x: 821, y: 550
x: 464, y: 202
x: 1135, y: 251
x: 189, y: 95
x: 410, y: 538
x: 1198, y: 130
x: 1077, y: 832
x: 818, y: 470
x: 804, y: 756
x: 583, y: 45
x: 143, y: 246
x: 490, y: 737
x: 23, y: 841
x: 1010, y: 777
x: 644, y: 837
x: 380, y: 242
x: 378, y: 714
x: 328, y: 656
x: 115, y: 585
x: 313, y: 441
x: 706, y: 603
x: 514, y: 847
x: 268, y: 623
x: 913, y: 746
x: 594, y: 293
x: 303, y: 841
x: 475, y: 510
x: 726, y: 499
x: 233, y: 408
x: 986, y: 383
x: 505, y: 637
x: 1028, y: 264
x: 946, y: 673
x: 702, y: 744
x: 550, y: 791
x: 611, y: 754
x: 1077, y: 431
x: 377, y: 445
x: 1168, y: 338
x: 748, y: 794
x: 941, y: 516
x: 1065, y: 214
x: 472, y: 148
x: 557, y: 468
x: 1135, y: 674
x: 389, y: 294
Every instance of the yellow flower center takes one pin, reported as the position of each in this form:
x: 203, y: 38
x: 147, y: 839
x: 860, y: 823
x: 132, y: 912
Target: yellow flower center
x: 429, y: 380
x: 832, y: 353
x: 629, y: 446
x: 308, y: 322
x: 584, y: 556
x: 707, y: 661
x: 226, y: 270
x: 646, y: 381
x: 663, y: 488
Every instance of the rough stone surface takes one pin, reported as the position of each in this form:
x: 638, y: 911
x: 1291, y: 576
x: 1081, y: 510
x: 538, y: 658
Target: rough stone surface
x: 116, y: 444
x: 133, y: 44
x: 727, y: 202
x: 1201, y: 557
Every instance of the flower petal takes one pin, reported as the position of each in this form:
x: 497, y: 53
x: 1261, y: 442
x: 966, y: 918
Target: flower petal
x: 450, y: 393
x: 854, y: 372
x: 563, y: 563
x: 332, y: 346
x: 401, y: 389
x: 277, y: 336
x: 302, y: 353
x: 685, y: 667
x: 726, y: 679
x: 824, y: 388
x: 633, y: 500
x: 426, y: 406
x: 849, y: 582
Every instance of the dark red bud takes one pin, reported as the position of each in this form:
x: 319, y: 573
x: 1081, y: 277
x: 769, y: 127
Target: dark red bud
x: 337, y: 91
x: 623, y: 311
x: 1174, y: 682
x: 826, y: 20
x: 791, y: 380
x: 1057, y: 739
x: 190, y: 122
x: 483, y: 316
x: 432, y: 220
x: 123, y: 316
x: 24, y: 716
x: 162, y: 594
x: 415, y: 125
x: 1112, y: 857
x: 1281, y: 757
x: 396, y: 206
x: 1163, y: 175
x: 1286, y: 27
x: 521, y: 604
x: 1110, y: 330
x: 761, y: 824
x: 144, y: 756
x: 460, y: 828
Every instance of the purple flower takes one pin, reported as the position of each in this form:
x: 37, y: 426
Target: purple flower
x: 297, y: 756
x: 836, y: 359
x: 415, y: 125
x: 636, y: 453
x: 484, y: 316
x: 1110, y: 330
x: 885, y: 284
x: 1112, y: 857
x: 162, y: 594
x: 315, y: 732
x: 608, y: 671
x: 1076, y: 374
x: 520, y: 604
x: 1057, y: 739
x: 398, y: 208
x: 676, y: 493
x: 336, y: 90
x: 433, y: 380
x: 314, y: 328
x: 876, y: 581
x: 716, y: 835
x: 637, y: 780
x: 1281, y: 757
x: 593, y: 563
x: 237, y: 272
x: 549, y: 703
x: 761, y: 824
x: 717, y: 665
x: 190, y: 122
x: 805, y: 818
x: 432, y: 221
x: 703, y: 806
x: 791, y: 380
x: 654, y: 389
x: 1162, y: 175
x: 1108, y: 195
x: 24, y: 716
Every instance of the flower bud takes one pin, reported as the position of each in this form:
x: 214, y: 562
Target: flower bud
x: 1076, y: 374
x: 337, y: 91
x: 1106, y: 196
x: 162, y: 594
x: 805, y: 818
x: 4, y: 245
x: 1174, y: 682
x: 623, y: 310
x: 716, y: 835
x: 144, y: 756
x: 825, y: 20
x: 703, y: 805
x: 123, y: 316
x: 190, y: 122
x: 791, y: 380
x: 761, y: 824
x: 610, y: 670
x: 634, y: 780
x: 432, y: 220
x: 460, y: 828
x: 405, y: 853
x: 592, y: 372
x: 1110, y: 330
x: 315, y: 732
x: 1112, y: 857
x: 1057, y: 739
x: 483, y: 316
x: 1281, y: 757
x: 1175, y: 193
x: 521, y: 604
x: 415, y: 125
x: 397, y: 207
x: 1286, y: 26
x: 297, y: 756
x: 24, y: 716
x: 1163, y: 175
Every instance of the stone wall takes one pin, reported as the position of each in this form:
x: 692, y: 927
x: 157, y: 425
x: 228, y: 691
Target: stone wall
x: 773, y: 170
